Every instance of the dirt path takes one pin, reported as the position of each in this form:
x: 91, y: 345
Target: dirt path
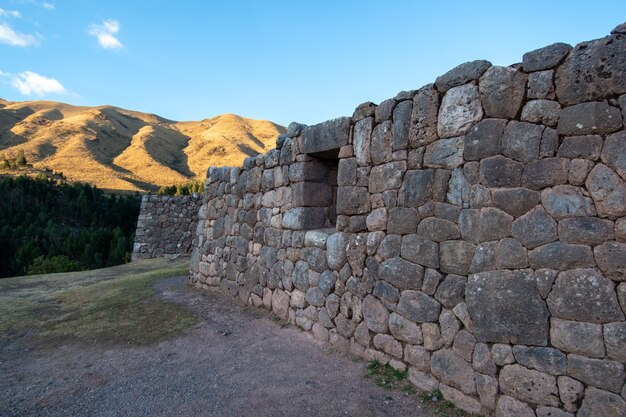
x: 237, y: 361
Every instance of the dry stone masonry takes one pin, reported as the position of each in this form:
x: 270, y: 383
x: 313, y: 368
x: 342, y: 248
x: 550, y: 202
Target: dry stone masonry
x: 472, y: 231
x: 166, y: 226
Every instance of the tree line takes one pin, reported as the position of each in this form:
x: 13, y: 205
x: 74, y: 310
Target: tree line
x: 50, y: 226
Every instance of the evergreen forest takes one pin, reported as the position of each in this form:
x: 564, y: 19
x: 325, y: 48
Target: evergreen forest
x: 51, y: 226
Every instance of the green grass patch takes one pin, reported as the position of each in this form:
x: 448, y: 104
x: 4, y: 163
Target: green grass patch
x: 114, y: 305
x: 385, y: 375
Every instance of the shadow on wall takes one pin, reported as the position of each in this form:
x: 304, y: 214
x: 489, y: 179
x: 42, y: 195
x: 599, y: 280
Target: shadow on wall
x: 479, y: 239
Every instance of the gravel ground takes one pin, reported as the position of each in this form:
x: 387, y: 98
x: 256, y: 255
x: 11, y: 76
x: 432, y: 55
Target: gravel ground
x: 237, y: 361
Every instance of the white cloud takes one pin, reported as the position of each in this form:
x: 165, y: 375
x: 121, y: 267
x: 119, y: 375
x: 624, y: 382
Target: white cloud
x: 30, y: 83
x: 9, y: 13
x: 13, y: 38
x: 105, y: 33
x: 47, y: 5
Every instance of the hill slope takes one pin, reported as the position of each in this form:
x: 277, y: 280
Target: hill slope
x: 119, y: 149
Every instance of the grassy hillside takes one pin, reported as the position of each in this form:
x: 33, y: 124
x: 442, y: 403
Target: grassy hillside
x: 117, y: 149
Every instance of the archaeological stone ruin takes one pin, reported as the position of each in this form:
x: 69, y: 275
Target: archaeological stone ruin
x: 472, y: 231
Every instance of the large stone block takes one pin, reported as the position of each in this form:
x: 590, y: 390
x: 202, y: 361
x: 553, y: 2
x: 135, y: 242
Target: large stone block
x: 589, y: 118
x: 304, y: 218
x: 584, y: 295
x: 593, y: 70
x: 405, y: 330
x: 461, y: 74
x: 521, y: 141
x: 577, y: 337
x: 401, y: 125
x: 599, y: 373
x: 353, y: 200
x: 417, y: 188
x: 611, y: 259
x: 444, y: 153
x: 451, y: 291
x: 614, y: 151
x: 423, y: 128
x: 380, y: 148
x: 455, y: 256
x: 502, y: 90
x: 561, y: 256
x: 453, y: 370
x: 386, y: 177
x: 401, y: 274
x: 546, y: 112
x: 541, y: 85
x: 600, y: 403
x: 499, y: 171
x: 566, y: 201
x: 587, y: 146
x: 506, y: 307
x: 587, y: 231
x: 483, y: 139
x: 545, y: 58
x: 375, y: 315
x: 608, y: 191
x: 327, y: 136
x: 460, y: 108
x: 311, y: 194
x: 402, y: 220
x: 420, y: 250
x: 515, y: 201
x: 438, y: 230
x: 336, y: 253
x: 543, y: 359
x: 509, y: 407
x: 529, y: 385
x: 546, y: 172
x: 418, y: 307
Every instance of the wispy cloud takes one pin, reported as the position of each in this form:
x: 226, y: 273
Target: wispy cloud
x: 49, y: 6
x: 31, y: 83
x: 11, y: 37
x: 105, y: 33
x: 9, y: 13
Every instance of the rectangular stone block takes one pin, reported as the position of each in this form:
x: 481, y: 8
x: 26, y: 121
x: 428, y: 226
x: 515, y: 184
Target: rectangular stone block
x: 327, y: 136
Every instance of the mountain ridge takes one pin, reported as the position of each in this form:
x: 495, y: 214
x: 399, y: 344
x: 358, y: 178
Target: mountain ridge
x: 119, y: 149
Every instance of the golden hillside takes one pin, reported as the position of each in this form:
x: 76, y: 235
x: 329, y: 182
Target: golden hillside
x: 119, y: 149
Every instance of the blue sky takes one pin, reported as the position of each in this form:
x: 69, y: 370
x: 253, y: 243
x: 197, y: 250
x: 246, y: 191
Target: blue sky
x: 306, y: 61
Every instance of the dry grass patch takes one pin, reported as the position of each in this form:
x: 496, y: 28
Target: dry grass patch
x: 114, y: 305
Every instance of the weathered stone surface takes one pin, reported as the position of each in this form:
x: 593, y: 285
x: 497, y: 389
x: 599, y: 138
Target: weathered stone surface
x: 401, y: 274
x: 614, y: 152
x: 588, y: 118
x: 418, y: 357
x: 482, y: 360
x: 546, y: 172
x: 327, y: 282
x: 588, y: 147
x: 549, y: 142
x: 361, y: 141
x: 423, y: 128
x: 502, y: 90
x: 545, y: 58
x: 417, y: 188
x: 326, y: 136
x: 336, y: 253
x: 420, y: 250
x: 377, y: 219
x: 521, y: 141
x: 352, y: 200
x: 615, y: 340
x: 543, y: 411
x: 493, y: 224
x: 347, y: 173
x: 502, y: 354
x: 566, y: 201
x: 388, y: 344
x: 543, y: 359
x: 375, y: 315
x: 576, y: 337
x: 571, y: 392
x: 304, y: 218
x: 487, y: 388
x: 608, y: 191
x: 510, y: 254
x: 405, y: 330
x: 561, y: 256
x: 529, y: 385
x: 599, y: 403
x: 578, y: 170
x: 380, y: 147
x: 364, y: 110
x: 483, y: 139
x: 584, y: 295
x: 593, y: 70
x: 386, y: 177
x: 451, y: 291
x: 402, y: 220
x: 515, y: 201
x: 315, y: 296
x: 438, y: 230
x: 455, y: 257
x: 599, y: 373
x: 401, y: 125
x: 453, y: 370
x: 307, y: 171
x: 418, y: 307
x: 460, y: 108
x: 499, y: 171
x: 586, y: 231
x: 458, y: 189
x: 280, y: 304
x: 461, y: 74
x: 546, y: 112
x: 422, y: 381
x: 383, y: 110
x: 389, y: 247
x: 449, y: 326
x: 534, y: 228
x: 541, y: 85
x: 431, y: 280
x: 620, y: 230
x: 432, y: 334
x: 444, y: 153
x: 463, y: 345
x: 506, y: 307
x: 460, y: 400
x: 509, y: 407
x: 611, y: 259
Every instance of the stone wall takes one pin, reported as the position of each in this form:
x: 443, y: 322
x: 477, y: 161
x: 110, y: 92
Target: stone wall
x: 166, y: 226
x: 472, y: 231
